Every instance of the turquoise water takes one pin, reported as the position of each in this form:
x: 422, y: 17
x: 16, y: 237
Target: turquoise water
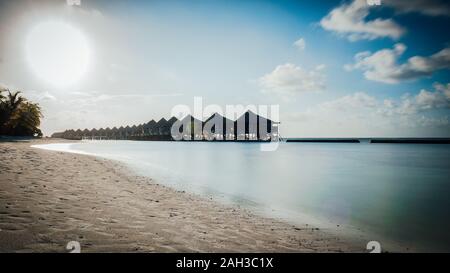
x: 394, y: 192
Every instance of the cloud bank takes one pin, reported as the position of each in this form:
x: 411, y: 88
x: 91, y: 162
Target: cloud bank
x: 382, y: 66
x: 360, y: 114
x: 289, y: 79
x: 350, y: 20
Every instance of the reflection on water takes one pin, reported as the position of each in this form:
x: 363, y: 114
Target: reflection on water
x: 397, y: 191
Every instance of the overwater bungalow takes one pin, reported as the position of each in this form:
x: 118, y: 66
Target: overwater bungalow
x: 156, y: 129
x: 250, y: 126
x: 108, y: 133
x: 121, y: 133
x: 114, y: 133
x: 139, y: 130
x: 133, y: 131
x: 218, y: 127
x: 148, y: 127
x: 85, y: 133
x: 101, y: 134
x: 165, y: 129
x: 94, y: 133
x: 78, y: 133
x: 191, y: 128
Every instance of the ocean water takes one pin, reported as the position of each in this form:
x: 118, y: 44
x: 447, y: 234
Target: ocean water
x: 397, y: 194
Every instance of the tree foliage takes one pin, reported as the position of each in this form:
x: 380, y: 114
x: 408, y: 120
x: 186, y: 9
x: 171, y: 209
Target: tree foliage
x: 18, y: 116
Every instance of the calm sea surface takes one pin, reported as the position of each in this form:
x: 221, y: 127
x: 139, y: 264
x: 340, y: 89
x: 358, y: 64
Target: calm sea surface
x: 396, y: 193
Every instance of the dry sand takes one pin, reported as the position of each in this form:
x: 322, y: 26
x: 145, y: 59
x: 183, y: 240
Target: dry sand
x: 49, y: 198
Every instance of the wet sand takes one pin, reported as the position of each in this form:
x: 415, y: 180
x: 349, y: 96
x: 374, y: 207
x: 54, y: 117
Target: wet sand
x: 49, y: 198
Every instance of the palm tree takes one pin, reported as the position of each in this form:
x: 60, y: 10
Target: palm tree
x: 13, y: 101
x: 19, y: 116
x: 9, y: 105
x: 27, y: 120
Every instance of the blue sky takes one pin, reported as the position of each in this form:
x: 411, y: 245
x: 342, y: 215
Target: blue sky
x: 148, y: 56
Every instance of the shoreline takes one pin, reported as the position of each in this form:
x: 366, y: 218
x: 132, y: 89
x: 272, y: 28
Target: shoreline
x: 48, y: 198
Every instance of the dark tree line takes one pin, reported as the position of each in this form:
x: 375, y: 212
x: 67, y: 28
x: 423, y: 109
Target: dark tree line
x: 18, y: 116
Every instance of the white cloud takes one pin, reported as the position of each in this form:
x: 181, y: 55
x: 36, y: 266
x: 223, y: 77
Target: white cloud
x: 360, y: 114
x: 383, y: 65
x: 300, y: 44
x: 349, y: 20
x: 426, y: 100
x: 350, y: 102
x: 289, y: 79
x: 444, y: 88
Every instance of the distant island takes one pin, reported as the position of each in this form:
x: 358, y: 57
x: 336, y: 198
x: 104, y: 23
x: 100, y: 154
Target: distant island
x: 248, y: 127
x: 413, y: 140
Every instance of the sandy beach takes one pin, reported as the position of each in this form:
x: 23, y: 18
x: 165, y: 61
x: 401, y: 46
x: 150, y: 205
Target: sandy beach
x: 49, y: 198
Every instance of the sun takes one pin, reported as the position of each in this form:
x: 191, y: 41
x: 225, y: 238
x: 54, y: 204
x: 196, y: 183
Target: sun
x: 57, y: 53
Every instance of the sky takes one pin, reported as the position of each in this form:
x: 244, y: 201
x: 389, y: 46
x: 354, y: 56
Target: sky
x: 335, y: 68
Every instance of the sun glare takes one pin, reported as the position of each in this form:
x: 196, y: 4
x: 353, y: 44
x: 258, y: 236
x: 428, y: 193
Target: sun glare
x: 57, y: 52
